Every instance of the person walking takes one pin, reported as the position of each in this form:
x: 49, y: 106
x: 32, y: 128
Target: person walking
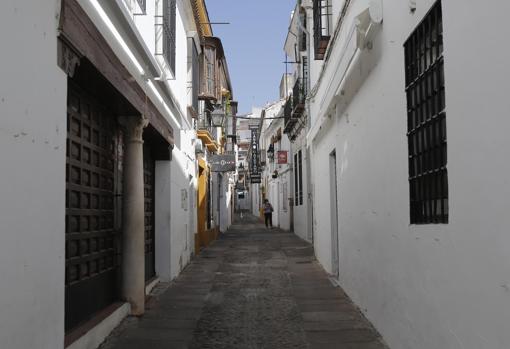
x: 268, y: 214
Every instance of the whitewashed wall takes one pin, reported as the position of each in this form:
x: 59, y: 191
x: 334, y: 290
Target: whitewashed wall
x: 255, y: 199
x: 300, y: 212
x: 226, y: 202
x: 430, y: 286
x: 284, y: 207
x: 176, y: 216
x: 32, y: 179
x: 181, y: 249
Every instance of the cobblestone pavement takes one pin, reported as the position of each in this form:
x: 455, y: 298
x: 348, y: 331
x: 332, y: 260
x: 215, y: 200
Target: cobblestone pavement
x: 253, y: 288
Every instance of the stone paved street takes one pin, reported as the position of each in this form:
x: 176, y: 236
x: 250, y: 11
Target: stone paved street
x: 253, y: 288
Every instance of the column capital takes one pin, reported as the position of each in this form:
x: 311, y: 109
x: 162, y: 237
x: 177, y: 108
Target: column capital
x: 133, y: 125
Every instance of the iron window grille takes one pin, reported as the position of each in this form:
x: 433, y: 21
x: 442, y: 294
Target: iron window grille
x: 426, y: 117
x: 289, y: 121
x: 210, y: 61
x: 302, y: 33
x: 298, y: 98
x: 169, y: 18
x: 322, y: 26
x: 195, y: 75
x: 208, y: 82
x: 305, y: 75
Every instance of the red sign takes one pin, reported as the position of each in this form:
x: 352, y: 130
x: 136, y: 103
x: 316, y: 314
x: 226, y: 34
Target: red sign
x: 282, y: 157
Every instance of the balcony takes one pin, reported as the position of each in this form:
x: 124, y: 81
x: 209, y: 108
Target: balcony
x: 214, y: 77
x: 298, y: 99
x: 208, y: 135
x: 287, y: 116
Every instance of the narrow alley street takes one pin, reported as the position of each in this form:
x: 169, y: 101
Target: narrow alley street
x: 371, y: 134
x: 253, y: 288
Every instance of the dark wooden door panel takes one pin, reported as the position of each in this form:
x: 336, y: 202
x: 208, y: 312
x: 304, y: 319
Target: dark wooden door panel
x: 90, y: 232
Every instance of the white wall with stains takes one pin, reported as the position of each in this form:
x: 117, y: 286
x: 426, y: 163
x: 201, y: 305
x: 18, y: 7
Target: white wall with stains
x: 32, y: 177
x: 423, y: 286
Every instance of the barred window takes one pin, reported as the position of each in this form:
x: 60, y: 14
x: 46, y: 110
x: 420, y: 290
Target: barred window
x: 322, y: 26
x: 169, y: 18
x: 210, y: 69
x: 305, y: 75
x: 426, y: 117
x: 195, y: 73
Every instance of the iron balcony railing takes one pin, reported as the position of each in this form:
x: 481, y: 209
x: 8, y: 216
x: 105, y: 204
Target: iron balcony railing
x: 204, y: 124
x: 298, y: 99
x: 287, y: 115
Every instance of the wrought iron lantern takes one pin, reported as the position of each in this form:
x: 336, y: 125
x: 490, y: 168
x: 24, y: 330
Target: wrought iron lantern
x: 217, y: 116
x: 270, y: 152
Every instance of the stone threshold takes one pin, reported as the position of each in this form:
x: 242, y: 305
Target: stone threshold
x: 92, y: 333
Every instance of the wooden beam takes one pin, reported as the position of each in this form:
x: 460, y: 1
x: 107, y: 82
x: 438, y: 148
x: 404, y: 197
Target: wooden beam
x: 79, y: 31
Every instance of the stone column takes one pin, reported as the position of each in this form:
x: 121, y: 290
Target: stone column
x: 133, y: 237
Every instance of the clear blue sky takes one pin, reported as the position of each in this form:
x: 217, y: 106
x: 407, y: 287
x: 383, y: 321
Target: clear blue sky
x: 253, y: 43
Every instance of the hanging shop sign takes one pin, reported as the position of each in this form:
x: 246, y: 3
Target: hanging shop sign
x: 223, y: 163
x: 255, y: 178
x: 282, y: 157
x: 254, y: 144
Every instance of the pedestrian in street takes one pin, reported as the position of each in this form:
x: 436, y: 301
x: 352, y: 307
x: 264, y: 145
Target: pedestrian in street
x: 268, y: 214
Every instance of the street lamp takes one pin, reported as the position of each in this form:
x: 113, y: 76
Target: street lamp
x: 270, y: 152
x: 217, y: 116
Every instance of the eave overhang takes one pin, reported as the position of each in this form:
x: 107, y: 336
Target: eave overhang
x: 208, y: 140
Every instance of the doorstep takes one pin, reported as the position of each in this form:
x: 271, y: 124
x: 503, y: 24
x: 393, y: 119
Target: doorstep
x: 92, y: 333
x: 150, y: 285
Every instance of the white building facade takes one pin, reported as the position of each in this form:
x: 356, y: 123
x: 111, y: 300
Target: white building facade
x: 296, y: 120
x: 408, y: 184
x: 106, y: 121
x: 277, y: 173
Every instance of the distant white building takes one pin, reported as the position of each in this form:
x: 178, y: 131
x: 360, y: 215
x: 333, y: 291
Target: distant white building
x: 406, y: 139
x: 296, y: 122
x: 276, y: 161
